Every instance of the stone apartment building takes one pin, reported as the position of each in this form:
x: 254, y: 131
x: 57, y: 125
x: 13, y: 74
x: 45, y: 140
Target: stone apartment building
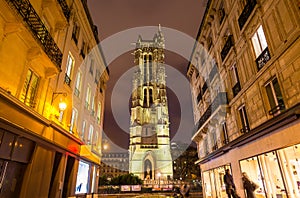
x: 52, y: 87
x: 114, y: 164
x: 245, y: 82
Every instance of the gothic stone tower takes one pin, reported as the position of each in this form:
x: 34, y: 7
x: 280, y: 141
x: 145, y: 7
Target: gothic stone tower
x: 150, y: 155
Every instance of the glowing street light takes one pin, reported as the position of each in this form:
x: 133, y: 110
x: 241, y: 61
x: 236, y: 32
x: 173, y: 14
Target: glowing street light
x: 158, y: 175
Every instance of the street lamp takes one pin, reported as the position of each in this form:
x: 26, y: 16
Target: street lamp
x: 62, y: 105
x: 158, y: 175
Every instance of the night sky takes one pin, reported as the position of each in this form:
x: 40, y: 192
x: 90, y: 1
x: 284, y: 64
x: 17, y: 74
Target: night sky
x: 115, y: 19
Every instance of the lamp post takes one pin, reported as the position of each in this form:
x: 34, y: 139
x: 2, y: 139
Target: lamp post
x: 158, y: 175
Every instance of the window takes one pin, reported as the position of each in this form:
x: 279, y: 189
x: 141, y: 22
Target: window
x: 224, y: 134
x: 88, y: 97
x: 90, y: 137
x: 221, y: 13
x: 30, y: 88
x: 145, y: 68
x: 235, y: 80
x: 73, y: 119
x: 275, y: 97
x: 78, y: 84
x: 93, y: 106
x: 244, y: 119
x: 75, y: 33
x: 83, y: 130
x: 259, y: 41
x: 92, y: 67
x: 260, y: 46
x: 83, y: 49
x: 69, y: 69
x: 99, y: 113
x: 209, y: 42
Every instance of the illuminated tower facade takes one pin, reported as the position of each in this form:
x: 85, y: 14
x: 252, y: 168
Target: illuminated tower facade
x: 150, y: 156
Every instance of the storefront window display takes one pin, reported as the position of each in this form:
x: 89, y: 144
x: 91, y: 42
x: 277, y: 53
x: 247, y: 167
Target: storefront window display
x: 277, y: 173
x: 82, y: 183
x: 213, y: 182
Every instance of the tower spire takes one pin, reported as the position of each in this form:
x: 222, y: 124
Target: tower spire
x: 149, y: 129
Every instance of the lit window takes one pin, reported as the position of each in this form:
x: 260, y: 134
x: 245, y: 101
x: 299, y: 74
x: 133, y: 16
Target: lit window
x: 73, y: 119
x: 29, y: 89
x: 275, y: 97
x: 83, y: 130
x: 69, y: 69
x: 259, y: 41
x: 99, y: 113
x: 78, y: 84
x: 236, y: 87
x: 224, y: 133
x: 244, y: 119
x: 93, y: 106
x: 88, y: 97
x: 90, y: 137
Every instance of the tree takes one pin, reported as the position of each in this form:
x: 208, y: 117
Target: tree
x: 103, y: 180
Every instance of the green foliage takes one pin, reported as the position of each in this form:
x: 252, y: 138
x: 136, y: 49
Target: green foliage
x: 128, y: 179
x: 103, y: 180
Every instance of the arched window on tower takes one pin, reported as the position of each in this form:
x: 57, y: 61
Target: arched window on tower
x: 145, y: 68
x: 150, y: 97
x: 150, y: 68
x: 145, y: 97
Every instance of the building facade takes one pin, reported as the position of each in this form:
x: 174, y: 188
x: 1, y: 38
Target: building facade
x: 184, y: 167
x: 149, y: 148
x: 244, y: 75
x: 45, y: 150
x: 114, y: 164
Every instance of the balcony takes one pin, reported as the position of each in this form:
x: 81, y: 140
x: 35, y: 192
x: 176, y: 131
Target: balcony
x: 249, y: 7
x: 38, y: 30
x: 277, y: 109
x: 263, y: 58
x: 64, y: 8
x: 220, y: 99
x: 236, y: 89
x: 227, y: 47
x: 93, y: 27
x: 245, y: 129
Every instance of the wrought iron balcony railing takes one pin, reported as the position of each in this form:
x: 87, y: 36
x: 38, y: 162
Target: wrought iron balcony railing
x: 220, y: 99
x: 249, y: 7
x: 38, y: 29
x: 227, y: 47
x: 67, y: 80
x: 263, y: 58
x: 277, y: 109
x: 94, y: 28
x: 64, y: 8
x: 245, y: 129
x: 236, y: 89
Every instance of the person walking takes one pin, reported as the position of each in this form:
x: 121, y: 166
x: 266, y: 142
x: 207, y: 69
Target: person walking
x: 229, y: 184
x: 249, y: 186
x: 185, y: 191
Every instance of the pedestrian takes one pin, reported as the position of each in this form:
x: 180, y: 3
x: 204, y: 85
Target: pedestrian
x: 229, y: 184
x: 249, y: 186
x: 185, y: 191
